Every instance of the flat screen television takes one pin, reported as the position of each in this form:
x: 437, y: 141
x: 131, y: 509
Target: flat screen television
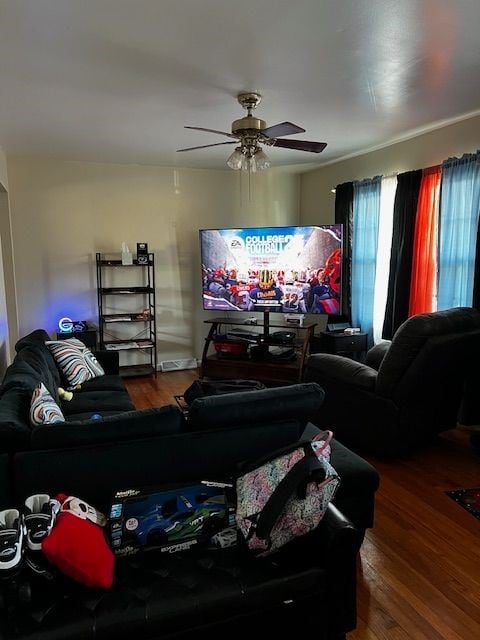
x: 287, y: 270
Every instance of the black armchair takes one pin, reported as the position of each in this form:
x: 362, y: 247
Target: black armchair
x: 417, y: 392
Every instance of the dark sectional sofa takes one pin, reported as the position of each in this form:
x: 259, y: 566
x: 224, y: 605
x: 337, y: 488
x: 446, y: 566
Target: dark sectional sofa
x: 105, y: 395
x: 222, y: 591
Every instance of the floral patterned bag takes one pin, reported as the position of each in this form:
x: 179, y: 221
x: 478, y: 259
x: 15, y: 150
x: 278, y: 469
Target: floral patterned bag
x: 286, y: 495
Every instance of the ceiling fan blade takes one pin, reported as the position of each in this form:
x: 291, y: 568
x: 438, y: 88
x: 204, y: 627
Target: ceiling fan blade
x: 282, y: 129
x: 222, y: 133
x: 301, y: 145
x: 204, y: 146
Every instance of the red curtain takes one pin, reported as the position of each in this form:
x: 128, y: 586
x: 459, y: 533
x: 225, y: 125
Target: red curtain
x: 423, y: 289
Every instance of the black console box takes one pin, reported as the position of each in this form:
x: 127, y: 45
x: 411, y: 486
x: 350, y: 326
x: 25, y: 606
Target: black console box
x: 337, y: 327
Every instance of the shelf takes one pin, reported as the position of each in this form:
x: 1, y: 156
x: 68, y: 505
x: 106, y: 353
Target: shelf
x: 88, y: 337
x: 123, y: 345
x: 130, y: 371
x: 126, y: 317
x: 124, y: 290
x: 216, y: 366
x: 118, y: 263
x: 272, y: 324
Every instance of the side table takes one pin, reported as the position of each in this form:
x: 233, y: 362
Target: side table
x: 354, y: 345
x: 88, y: 337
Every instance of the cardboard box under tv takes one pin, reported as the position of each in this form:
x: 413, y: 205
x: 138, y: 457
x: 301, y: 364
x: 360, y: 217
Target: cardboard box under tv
x: 169, y: 519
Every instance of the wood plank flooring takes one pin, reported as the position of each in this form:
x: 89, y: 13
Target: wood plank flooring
x: 419, y: 567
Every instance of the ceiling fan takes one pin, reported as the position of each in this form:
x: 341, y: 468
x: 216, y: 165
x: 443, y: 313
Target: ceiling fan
x: 251, y: 133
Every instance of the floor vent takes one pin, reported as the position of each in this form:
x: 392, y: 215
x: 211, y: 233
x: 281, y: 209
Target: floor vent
x: 178, y: 365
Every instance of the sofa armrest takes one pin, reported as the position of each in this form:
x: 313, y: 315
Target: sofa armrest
x: 323, y: 367
x: 377, y: 353
x: 334, y: 546
x: 128, y: 425
x: 340, y: 533
x: 110, y: 361
x: 344, y: 542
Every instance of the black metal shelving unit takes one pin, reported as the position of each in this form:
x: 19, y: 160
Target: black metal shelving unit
x: 143, y: 341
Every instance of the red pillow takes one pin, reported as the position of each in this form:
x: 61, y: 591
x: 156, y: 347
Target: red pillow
x: 77, y: 546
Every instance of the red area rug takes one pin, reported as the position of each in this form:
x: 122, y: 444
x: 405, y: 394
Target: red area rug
x: 469, y: 499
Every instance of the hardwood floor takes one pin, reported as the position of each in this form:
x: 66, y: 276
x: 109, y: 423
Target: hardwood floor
x: 419, y: 567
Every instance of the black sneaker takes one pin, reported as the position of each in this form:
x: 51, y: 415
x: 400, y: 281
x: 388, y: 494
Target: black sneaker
x: 40, y: 512
x: 11, y: 541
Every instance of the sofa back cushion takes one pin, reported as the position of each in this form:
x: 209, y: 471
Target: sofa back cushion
x: 19, y: 374
x: 417, y: 333
x: 39, y: 336
x: 38, y: 359
x: 298, y: 402
x: 127, y: 425
x: 93, y: 473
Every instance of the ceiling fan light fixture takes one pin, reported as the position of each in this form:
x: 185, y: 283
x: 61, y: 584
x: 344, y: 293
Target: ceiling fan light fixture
x: 249, y: 164
x: 235, y: 160
x: 262, y: 161
x: 249, y: 159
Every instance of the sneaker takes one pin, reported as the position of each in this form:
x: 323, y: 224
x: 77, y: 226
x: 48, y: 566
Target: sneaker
x: 39, y: 565
x: 40, y: 512
x: 11, y: 540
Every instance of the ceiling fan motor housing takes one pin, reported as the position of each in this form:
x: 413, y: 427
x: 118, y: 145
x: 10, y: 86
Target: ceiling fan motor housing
x: 248, y: 101
x: 248, y: 122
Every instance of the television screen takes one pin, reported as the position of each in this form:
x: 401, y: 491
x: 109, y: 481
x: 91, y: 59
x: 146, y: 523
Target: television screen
x: 280, y: 269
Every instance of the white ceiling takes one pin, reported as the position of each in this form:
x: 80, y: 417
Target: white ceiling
x: 117, y: 80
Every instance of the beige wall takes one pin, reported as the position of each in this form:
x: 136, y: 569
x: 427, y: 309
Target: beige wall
x: 64, y: 212
x: 3, y: 171
x: 317, y: 201
x: 7, y: 290
x: 4, y: 334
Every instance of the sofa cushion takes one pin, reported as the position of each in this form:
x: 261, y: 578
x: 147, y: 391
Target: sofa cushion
x: 75, y: 360
x: 166, y: 420
x: 103, y: 383
x: 97, y: 402
x: 14, y: 419
x: 158, y: 595
x: 43, y: 408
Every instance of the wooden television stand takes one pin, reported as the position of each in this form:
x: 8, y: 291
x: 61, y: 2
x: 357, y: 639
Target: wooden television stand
x: 265, y: 369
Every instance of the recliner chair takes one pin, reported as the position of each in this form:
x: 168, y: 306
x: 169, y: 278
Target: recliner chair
x: 417, y: 392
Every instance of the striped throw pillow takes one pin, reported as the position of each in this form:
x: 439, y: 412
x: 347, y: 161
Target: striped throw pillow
x: 43, y: 408
x: 75, y: 360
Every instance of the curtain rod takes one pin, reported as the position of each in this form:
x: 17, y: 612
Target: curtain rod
x: 396, y: 173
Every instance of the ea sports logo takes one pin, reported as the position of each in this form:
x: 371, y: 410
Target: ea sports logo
x: 235, y: 243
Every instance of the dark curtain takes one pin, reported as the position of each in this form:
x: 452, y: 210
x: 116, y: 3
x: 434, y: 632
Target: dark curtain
x: 344, y: 215
x: 404, y: 214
